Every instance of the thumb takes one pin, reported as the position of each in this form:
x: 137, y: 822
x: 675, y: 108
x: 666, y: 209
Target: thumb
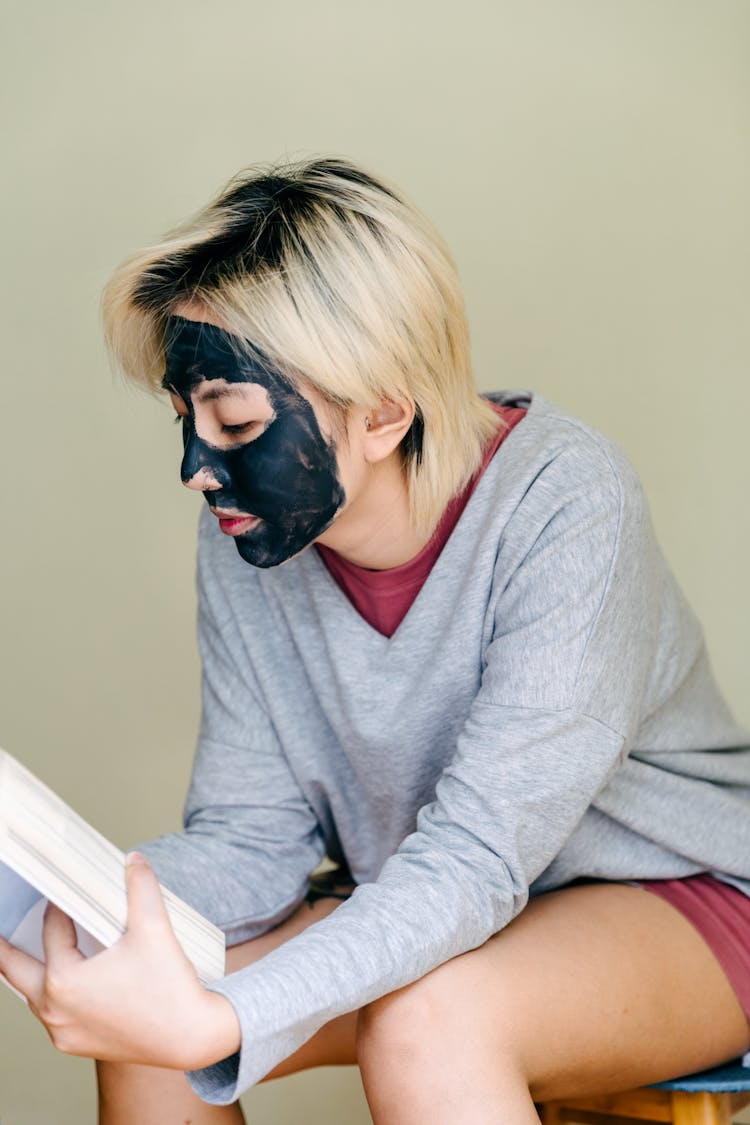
x: 146, y: 909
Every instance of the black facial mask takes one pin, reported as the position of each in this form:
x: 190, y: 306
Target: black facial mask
x: 287, y: 476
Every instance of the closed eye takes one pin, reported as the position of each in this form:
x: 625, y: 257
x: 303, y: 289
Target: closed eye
x: 241, y: 428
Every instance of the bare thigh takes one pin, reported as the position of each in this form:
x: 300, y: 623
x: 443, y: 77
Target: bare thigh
x: 591, y: 989
x: 639, y: 992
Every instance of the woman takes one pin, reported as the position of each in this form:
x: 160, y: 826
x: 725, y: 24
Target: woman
x: 444, y: 650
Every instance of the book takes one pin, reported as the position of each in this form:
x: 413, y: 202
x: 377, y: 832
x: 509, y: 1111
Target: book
x: 50, y: 853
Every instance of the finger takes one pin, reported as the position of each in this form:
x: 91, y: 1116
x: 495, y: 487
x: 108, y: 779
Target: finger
x: 146, y: 909
x: 59, y: 937
x: 22, y: 971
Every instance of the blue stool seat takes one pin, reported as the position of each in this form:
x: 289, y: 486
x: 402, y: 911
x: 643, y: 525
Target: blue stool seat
x: 729, y: 1079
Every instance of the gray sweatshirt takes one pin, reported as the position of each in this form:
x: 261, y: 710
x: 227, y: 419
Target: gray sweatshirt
x: 545, y: 711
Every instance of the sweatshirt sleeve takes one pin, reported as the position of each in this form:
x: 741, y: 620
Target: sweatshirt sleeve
x: 563, y: 677
x: 250, y: 837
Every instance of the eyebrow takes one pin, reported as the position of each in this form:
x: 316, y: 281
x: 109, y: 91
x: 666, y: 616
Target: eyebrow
x: 205, y: 395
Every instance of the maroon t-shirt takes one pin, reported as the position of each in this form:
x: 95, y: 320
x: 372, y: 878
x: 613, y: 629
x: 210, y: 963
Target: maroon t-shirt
x: 384, y: 597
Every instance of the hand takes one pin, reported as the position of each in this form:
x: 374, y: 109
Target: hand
x: 139, y: 1001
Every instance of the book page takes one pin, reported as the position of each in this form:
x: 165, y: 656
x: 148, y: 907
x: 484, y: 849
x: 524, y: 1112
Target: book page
x: 54, y: 851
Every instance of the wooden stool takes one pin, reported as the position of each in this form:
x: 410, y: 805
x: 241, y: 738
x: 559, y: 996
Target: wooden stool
x: 710, y: 1097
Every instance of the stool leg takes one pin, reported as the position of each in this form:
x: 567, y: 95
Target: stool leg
x: 700, y: 1108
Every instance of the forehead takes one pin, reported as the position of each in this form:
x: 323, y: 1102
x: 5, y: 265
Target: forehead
x: 197, y: 351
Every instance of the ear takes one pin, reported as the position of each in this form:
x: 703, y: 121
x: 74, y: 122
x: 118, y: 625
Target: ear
x: 385, y: 427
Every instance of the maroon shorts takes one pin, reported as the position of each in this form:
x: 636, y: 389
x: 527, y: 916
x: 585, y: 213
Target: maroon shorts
x: 721, y: 914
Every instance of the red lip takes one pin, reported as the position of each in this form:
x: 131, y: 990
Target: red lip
x: 233, y: 524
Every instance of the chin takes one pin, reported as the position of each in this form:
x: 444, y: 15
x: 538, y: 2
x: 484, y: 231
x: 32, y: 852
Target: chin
x: 266, y: 558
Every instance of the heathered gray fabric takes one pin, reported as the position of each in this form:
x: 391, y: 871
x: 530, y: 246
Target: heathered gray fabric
x: 545, y: 711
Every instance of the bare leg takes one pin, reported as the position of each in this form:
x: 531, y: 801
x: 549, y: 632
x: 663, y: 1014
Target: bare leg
x: 592, y: 989
x: 149, y: 1095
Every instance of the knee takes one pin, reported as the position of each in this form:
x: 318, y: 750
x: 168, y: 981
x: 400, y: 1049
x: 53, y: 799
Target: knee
x: 449, y: 1010
x: 400, y: 1019
x: 395, y: 1034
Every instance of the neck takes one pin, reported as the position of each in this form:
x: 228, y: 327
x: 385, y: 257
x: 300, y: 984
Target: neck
x: 375, y: 531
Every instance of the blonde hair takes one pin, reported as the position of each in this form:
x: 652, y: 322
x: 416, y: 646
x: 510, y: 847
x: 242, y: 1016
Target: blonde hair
x: 336, y: 279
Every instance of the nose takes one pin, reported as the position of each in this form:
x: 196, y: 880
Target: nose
x: 195, y: 471
x: 202, y: 481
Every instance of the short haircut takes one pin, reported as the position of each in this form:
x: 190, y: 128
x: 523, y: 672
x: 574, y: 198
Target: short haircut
x: 338, y: 280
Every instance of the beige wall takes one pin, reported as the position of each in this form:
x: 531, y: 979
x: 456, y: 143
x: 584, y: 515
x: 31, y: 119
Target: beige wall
x: 588, y: 162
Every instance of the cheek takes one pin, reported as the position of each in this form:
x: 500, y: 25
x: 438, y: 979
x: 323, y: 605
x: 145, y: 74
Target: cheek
x: 289, y: 457
x: 290, y: 465
x: 272, y: 474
